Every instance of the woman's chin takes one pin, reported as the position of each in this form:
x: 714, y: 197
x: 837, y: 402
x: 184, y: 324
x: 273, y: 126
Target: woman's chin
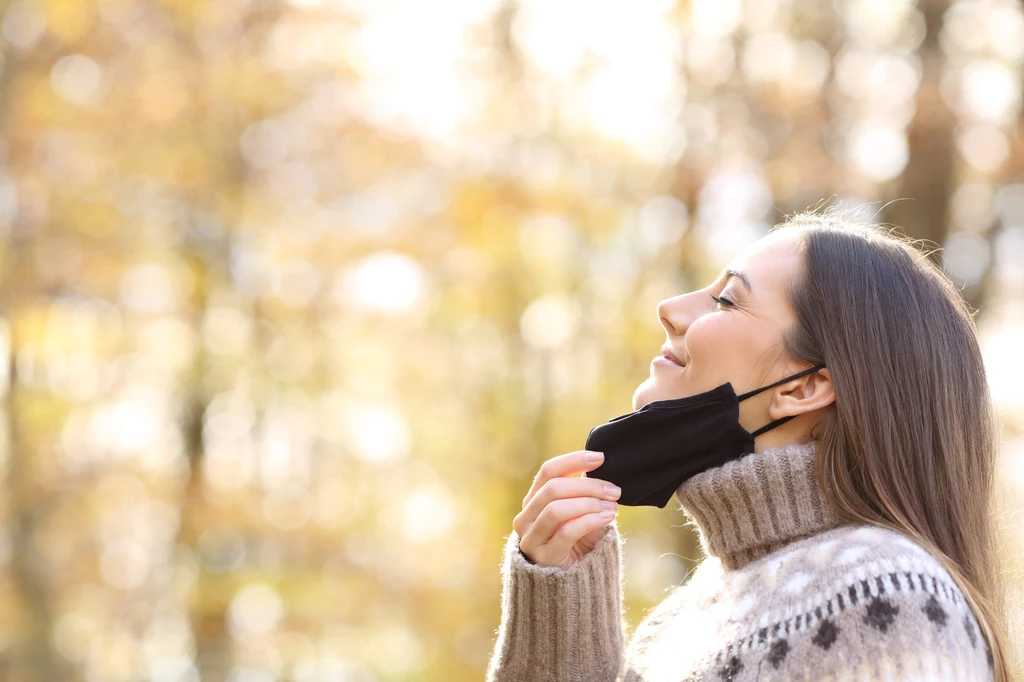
x: 650, y: 390
x: 645, y: 393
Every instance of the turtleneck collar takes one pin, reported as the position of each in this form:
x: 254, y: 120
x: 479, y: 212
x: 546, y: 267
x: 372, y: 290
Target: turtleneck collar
x: 753, y: 505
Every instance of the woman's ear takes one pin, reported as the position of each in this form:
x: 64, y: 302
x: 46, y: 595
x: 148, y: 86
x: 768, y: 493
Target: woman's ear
x: 806, y: 394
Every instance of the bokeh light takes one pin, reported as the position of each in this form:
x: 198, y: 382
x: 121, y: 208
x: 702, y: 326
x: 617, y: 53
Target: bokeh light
x: 300, y: 294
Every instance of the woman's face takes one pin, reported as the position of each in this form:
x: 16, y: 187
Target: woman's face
x: 736, y: 339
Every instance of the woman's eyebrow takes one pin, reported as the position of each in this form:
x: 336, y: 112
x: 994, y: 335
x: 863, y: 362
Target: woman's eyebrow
x: 740, y: 276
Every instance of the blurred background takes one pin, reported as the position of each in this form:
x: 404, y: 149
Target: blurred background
x: 297, y: 296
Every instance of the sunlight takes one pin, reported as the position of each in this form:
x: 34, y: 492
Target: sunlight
x: 255, y: 609
x: 378, y: 433
x: 633, y: 90
x: 1001, y: 351
x: 879, y: 148
x: 426, y: 95
x: 990, y: 91
x: 385, y: 281
x: 550, y: 321
x: 420, y: 527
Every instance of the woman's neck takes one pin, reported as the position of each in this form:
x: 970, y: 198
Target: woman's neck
x: 793, y: 432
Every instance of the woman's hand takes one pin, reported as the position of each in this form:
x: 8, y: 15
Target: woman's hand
x: 564, y: 516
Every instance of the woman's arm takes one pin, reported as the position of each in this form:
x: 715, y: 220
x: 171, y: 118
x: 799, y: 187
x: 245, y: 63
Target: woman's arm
x: 561, y: 625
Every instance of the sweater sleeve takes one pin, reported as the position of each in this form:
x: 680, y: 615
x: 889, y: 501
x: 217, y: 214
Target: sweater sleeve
x: 560, y: 625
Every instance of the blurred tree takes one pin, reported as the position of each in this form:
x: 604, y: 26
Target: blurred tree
x: 929, y: 179
x: 301, y: 294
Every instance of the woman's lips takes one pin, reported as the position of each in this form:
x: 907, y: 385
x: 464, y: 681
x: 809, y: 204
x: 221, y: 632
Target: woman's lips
x: 667, y: 354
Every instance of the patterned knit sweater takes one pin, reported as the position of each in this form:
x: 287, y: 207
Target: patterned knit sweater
x: 784, y: 593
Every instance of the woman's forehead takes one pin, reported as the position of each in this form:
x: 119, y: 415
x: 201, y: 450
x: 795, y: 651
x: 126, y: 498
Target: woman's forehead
x: 769, y: 264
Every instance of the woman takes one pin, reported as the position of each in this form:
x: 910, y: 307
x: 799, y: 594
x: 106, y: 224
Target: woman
x: 852, y: 542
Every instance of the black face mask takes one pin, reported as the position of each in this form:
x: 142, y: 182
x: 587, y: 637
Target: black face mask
x: 649, y: 453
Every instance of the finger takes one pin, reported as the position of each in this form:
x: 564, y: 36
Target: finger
x: 561, y: 488
x: 563, y: 465
x: 555, y: 551
x: 534, y: 536
x: 559, y: 512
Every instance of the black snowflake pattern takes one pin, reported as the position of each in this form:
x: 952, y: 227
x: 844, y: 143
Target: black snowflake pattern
x: 731, y: 669
x: 826, y: 635
x: 881, y: 613
x: 935, y: 613
x: 777, y: 653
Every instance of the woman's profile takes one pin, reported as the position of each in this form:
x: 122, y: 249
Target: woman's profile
x: 847, y: 530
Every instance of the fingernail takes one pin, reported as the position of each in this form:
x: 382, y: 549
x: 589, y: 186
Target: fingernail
x: 608, y: 504
x: 612, y: 490
x: 595, y: 457
x: 608, y: 515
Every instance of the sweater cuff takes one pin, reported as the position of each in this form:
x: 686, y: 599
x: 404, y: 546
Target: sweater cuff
x: 561, y: 624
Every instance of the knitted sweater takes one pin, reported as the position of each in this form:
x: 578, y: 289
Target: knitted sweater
x: 784, y: 593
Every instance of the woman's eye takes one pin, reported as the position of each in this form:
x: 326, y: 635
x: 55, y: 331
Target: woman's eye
x: 722, y: 301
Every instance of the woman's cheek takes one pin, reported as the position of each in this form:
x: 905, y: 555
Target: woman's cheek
x: 705, y: 339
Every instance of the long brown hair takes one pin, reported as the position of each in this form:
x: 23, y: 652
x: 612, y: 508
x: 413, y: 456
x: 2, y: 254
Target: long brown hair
x: 910, y: 442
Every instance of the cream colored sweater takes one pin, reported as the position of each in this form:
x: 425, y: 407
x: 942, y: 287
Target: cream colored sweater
x: 785, y: 593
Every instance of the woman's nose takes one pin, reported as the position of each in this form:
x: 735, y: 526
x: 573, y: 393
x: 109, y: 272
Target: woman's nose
x: 677, y: 313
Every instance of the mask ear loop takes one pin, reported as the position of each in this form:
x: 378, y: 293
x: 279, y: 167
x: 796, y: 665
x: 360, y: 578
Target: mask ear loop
x: 782, y: 420
x: 771, y: 425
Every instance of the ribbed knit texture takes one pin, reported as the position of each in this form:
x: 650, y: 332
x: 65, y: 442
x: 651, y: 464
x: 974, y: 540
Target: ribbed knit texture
x: 753, y: 505
x: 556, y: 618
x: 785, y: 593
